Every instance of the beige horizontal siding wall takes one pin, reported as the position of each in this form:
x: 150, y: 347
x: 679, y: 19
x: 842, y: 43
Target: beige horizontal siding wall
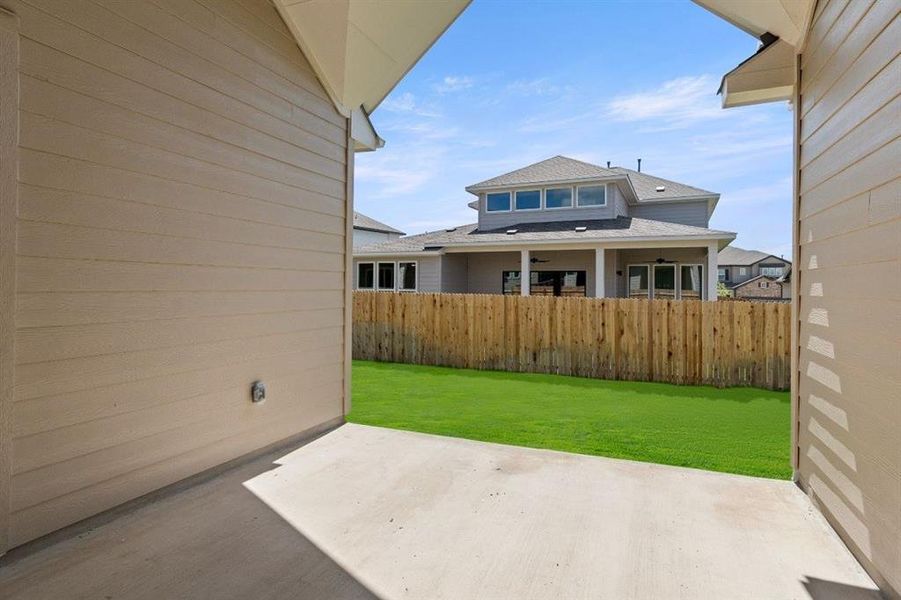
x: 850, y: 277
x: 181, y: 234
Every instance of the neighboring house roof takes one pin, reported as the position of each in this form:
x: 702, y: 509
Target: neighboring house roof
x: 733, y: 255
x: 786, y: 275
x: 747, y: 281
x: 361, y: 221
x: 620, y: 228
x: 646, y: 186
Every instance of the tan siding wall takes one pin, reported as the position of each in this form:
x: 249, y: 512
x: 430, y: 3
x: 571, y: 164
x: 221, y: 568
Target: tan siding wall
x: 181, y: 233
x: 850, y: 278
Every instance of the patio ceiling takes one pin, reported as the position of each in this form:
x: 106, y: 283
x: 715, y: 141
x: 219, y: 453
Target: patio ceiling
x: 366, y: 512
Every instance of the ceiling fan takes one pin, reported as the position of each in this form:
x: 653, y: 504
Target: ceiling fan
x: 535, y: 260
x: 663, y: 261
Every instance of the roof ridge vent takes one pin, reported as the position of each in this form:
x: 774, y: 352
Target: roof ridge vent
x: 661, y: 188
x: 581, y: 228
x: 512, y: 231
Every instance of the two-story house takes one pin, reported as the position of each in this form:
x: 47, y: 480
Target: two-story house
x: 562, y: 227
x: 754, y: 274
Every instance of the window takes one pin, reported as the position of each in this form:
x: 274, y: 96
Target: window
x: 639, y: 281
x: 365, y: 276
x: 528, y: 200
x: 771, y: 271
x: 764, y: 284
x: 558, y: 198
x: 665, y: 282
x: 406, y: 276
x: 691, y: 282
x: 592, y: 195
x: 511, y: 283
x: 743, y: 271
x: 497, y: 202
x: 386, y: 275
x: 722, y: 274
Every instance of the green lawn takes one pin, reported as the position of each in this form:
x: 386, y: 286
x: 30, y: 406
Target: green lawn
x: 737, y: 430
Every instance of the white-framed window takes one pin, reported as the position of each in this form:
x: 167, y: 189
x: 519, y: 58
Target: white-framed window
x: 743, y: 271
x: 527, y: 200
x: 764, y: 284
x: 591, y: 196
x: 722, y: 274
x: 497, y: 202
x: 639, y: 283
x: 385, y: 276
x: 365, y: 276
x: 771, y: 271
x: 406, y: 276
x: 691, y: 282
x: 555, y: 198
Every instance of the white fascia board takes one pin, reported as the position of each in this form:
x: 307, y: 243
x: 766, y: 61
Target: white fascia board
x: 398, y: 255
x: 362, y: 132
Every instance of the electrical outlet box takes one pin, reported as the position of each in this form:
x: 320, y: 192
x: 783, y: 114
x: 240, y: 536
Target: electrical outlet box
x: 257, y: 392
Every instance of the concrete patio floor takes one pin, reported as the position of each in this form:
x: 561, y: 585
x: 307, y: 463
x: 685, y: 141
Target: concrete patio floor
x: 365, y: 512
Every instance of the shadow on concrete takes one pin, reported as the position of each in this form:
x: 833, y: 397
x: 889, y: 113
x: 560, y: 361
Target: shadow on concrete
x: 823, y: 589
x: 214, y: 539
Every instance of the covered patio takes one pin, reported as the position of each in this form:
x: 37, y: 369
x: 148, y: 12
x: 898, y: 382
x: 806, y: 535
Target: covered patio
x: 365, y: 512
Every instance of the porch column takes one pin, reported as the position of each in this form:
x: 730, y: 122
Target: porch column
x: 712, y: 273
x: 599, y: 277
x: 524, y: 274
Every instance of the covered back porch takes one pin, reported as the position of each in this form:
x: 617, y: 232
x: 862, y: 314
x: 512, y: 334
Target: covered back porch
x: 677, y: 272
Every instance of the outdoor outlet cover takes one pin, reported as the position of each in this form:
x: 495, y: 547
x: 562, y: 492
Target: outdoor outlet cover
x: 257, y: 391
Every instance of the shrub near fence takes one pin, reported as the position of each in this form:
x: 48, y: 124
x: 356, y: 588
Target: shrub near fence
x: 672, y: 341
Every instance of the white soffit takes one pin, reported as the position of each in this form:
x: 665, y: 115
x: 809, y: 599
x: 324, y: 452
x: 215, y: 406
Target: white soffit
x: 360, y: 49
x: 786, y: 19
x: 768, y: 76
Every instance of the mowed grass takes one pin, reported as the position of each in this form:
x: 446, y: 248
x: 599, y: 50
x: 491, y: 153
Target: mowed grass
x: 736, y: 430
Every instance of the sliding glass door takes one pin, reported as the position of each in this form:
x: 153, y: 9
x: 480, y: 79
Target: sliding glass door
x: 664, y: 282
x: 639, y: 281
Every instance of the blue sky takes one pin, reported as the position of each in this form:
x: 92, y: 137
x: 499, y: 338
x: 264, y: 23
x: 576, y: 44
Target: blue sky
x: 512, y: 83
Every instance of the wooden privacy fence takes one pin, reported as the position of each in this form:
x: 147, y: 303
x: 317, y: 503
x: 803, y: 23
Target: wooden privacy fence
x: 672, y: 341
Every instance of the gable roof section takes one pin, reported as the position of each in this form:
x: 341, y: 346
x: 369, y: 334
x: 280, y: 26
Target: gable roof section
x: 557, y: 168
x: 564, y: 232
x: 646, y: 187
x: 733, y: 255
x: 361, y: 221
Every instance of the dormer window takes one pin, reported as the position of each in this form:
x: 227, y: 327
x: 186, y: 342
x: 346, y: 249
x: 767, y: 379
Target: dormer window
x: 528, y: 200
x: 497, y: 202
x: 558, y: 197
x: 591, y: 195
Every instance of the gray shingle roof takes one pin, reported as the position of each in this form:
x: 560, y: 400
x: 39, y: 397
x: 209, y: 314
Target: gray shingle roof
x: 361, y: 221
x: 733, y: 255
x: 558, y: 168
x: 562, y: 231
x: 646, y: 186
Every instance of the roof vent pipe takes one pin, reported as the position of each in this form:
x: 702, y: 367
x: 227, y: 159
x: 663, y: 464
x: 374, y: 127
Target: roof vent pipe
x: 608, y: 164
x: 639, y: 165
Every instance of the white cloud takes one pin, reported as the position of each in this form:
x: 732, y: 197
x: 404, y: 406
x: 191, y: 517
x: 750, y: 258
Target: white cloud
x: 675, y: 104
x: 454, y: 83
x: 405, y: 102
x: 533, y: 87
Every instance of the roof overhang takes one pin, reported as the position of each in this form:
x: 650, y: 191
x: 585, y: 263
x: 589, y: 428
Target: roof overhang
x: 785, y: 19
x: 360, y: 49
x: 768, y: 75
x: 669, y: 241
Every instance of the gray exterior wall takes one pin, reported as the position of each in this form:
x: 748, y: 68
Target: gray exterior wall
x: 649, y: 256
x: 454, y: 273
x: 693, y: 212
